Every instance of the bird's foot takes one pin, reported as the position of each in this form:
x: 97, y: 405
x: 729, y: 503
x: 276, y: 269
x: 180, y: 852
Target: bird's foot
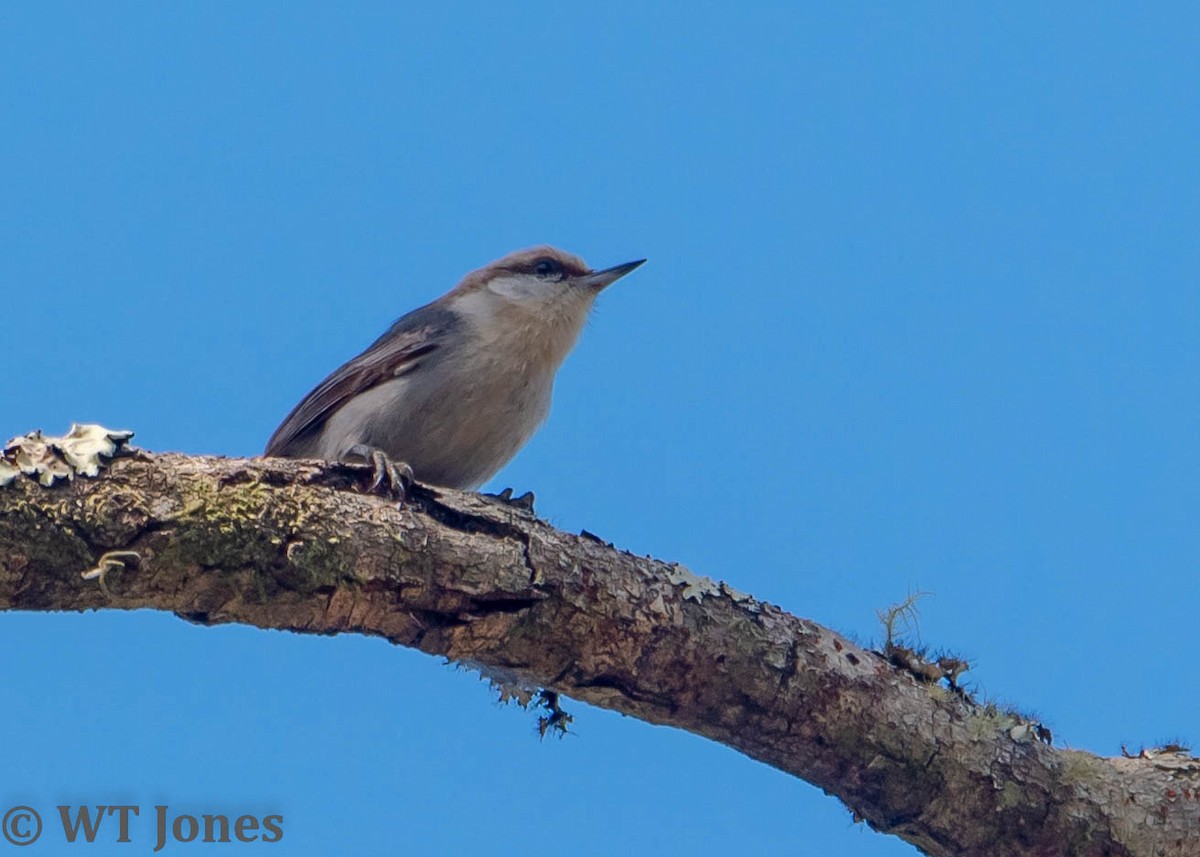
x: 388, y: 478
x: 525, y: 501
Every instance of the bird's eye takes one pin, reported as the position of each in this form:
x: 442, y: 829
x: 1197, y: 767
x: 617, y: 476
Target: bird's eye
x: 547, y: 267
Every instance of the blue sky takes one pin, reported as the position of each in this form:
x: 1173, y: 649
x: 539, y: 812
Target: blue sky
x: 921, y: 311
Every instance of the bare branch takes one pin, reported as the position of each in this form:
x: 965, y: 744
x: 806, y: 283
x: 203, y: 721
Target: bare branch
x: 286, y: 544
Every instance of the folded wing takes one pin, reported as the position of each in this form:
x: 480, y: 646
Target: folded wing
x: 396, y: 353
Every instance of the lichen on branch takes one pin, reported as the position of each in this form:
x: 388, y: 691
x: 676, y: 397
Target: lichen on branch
x: 295, y: 545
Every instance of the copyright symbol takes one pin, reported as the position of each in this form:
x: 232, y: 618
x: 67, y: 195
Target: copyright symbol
x: 22, y: 825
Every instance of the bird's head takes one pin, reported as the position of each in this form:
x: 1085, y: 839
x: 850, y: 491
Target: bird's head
x: 540, y: 294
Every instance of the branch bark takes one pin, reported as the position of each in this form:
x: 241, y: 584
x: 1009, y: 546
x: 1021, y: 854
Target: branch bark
x: 292, y: 545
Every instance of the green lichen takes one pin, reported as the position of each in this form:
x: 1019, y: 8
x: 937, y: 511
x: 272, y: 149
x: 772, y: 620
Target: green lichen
x: 939, y: 692
x: 1083, y: 768
x: 1011, y: 795
x: 985, y: 721
x: 233, y: 525
x: 313, y: 564
x: 223, y: 526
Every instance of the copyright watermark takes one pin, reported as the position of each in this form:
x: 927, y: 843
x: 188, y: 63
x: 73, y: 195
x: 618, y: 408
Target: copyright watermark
x: 22, y: 825
x: 157, y: 827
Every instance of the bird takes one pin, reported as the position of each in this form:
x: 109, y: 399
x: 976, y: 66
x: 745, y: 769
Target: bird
x: 452, y: 390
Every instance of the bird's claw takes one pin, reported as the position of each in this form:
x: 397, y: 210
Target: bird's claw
x: 525, y: 501
x: 391, y: 478
x: 388, y: 478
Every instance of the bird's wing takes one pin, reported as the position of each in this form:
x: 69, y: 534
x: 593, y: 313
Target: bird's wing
x: 396, y: 353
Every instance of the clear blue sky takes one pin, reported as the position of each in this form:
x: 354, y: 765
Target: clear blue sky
x: 921, y: 310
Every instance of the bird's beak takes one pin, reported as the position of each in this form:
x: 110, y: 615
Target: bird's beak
x: 599, y: 279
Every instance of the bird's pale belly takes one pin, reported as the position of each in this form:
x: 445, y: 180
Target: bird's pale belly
x: 424, y: 426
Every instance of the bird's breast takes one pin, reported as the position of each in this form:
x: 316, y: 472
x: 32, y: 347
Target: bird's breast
x: 455, y: 422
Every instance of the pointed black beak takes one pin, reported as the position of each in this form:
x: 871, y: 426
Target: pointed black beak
x: 601, y: 279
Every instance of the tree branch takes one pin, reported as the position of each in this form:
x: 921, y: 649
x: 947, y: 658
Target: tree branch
x: 287, y: 544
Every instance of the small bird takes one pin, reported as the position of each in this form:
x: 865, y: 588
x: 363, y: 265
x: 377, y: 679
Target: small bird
x: 453, y: 390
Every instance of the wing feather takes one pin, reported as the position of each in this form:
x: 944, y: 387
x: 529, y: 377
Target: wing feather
x: 398, y: 351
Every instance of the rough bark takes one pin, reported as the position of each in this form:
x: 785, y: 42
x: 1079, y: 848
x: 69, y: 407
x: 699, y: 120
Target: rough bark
x: 286, y: 544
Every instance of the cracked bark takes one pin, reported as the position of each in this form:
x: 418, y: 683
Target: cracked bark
x: 291, y: 545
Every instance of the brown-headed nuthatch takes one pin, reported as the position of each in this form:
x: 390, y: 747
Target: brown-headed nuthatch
x: 455, y: 388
